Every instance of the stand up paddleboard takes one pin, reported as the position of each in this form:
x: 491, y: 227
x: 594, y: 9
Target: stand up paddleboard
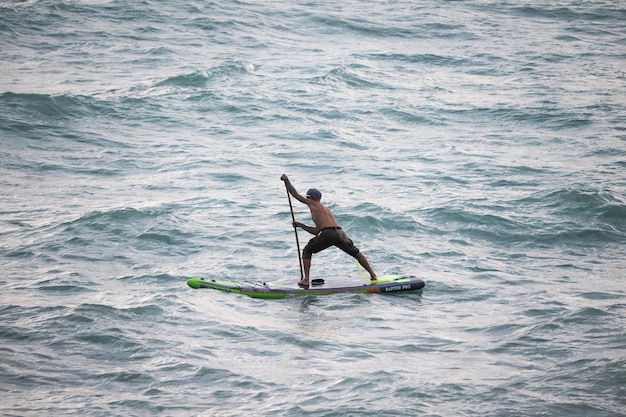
x: 387, y: 284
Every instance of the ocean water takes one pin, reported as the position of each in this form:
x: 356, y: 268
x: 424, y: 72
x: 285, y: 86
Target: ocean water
x: 480, y: 145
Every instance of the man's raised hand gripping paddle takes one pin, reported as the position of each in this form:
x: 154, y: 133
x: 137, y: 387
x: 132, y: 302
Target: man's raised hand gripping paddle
x: 327, y: 232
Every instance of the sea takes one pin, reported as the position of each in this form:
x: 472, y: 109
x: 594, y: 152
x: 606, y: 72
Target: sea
x: 479, y: 145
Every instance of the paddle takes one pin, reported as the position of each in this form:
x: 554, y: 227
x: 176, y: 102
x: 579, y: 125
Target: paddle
x: 295, y: 230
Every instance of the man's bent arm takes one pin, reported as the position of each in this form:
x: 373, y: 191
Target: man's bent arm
x: 293, y: 191
x: 312, y: 230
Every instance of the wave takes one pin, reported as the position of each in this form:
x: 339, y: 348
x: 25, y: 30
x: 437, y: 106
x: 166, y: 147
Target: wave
x: 349, y: 77
x: 70, y: 118
x: 196, y: 79
x: 474, y: 225
x: 419, y: 117
x: 570, y: 216
x: 368, y: 26
x: 583, y: 204
x: 372, y: 218
x: 199, y: 79
x: 154, y: 226
x: 580, y: 12
x: 53, y: 107
x: 552, y: 118
x: 428, y: 59
x: 84, y: 239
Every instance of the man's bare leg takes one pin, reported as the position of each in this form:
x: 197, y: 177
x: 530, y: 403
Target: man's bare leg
x: 307, y: 270
x: 363, y: 261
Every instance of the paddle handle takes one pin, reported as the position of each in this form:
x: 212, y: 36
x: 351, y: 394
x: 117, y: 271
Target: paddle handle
x: 295, y: 230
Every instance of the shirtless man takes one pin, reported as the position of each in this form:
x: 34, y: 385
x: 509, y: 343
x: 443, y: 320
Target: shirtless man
x: 327, y: 232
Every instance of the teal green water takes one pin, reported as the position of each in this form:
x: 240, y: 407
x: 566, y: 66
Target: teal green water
x: 477, y: 145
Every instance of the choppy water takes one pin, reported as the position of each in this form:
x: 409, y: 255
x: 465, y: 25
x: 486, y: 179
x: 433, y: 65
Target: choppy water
x: 480, y: 145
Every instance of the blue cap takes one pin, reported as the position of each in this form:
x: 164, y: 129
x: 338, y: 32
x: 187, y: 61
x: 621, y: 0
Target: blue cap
x: 314, y: 193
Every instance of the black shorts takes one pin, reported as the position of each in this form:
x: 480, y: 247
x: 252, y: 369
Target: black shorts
x: 330, y: 236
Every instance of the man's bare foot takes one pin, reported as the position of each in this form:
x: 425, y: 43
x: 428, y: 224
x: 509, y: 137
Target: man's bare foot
x: 303, y: 284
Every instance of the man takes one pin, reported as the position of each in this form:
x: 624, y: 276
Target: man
x: 327, y: 232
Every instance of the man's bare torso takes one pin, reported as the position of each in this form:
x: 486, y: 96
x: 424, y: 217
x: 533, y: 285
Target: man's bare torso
x: 321, y: 215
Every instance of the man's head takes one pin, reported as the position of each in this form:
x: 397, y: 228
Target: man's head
x: 314, y: 193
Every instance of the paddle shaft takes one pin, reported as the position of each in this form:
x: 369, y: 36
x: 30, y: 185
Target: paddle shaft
x: 295, y: 230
